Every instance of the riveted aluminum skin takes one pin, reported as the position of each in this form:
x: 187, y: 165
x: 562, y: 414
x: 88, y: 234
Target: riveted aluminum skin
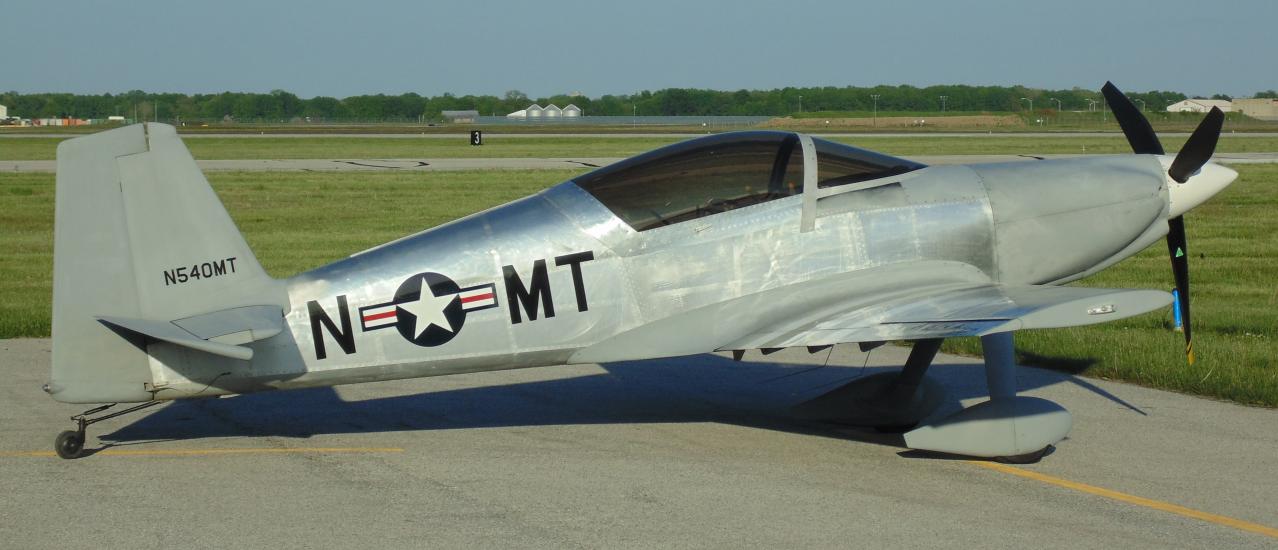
x: 633, y: 279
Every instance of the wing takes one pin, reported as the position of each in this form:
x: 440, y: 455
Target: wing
x: 909, y: 301
x: 972, y: 311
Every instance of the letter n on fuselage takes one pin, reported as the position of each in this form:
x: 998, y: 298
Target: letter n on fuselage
x: 345, y: 337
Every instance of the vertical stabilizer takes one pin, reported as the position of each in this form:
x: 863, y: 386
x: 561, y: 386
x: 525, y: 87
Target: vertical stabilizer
x: 138, y: 234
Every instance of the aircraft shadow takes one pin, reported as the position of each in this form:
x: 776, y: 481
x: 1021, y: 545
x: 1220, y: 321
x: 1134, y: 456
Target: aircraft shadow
x: 704, y: 388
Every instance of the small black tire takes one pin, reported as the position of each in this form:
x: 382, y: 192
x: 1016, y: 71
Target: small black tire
x: 69, y: 444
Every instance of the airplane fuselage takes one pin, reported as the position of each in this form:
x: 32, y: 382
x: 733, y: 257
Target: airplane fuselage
x: 558, y: 278
x: 727, y: 242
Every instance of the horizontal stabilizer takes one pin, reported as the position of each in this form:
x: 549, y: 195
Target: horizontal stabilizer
x: 169, y: 332
x: 239, y: 325
x: 218, y: 333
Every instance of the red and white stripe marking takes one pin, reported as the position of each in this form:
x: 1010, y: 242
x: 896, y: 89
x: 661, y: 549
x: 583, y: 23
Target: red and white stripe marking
x: 378, y: 316
x: 478, y: 297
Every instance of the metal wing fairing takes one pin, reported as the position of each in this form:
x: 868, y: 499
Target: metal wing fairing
x: 946, y: 311
x: 909, y: 301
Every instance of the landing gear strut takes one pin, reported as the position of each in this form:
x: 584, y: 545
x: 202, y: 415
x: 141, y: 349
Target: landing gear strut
x: 889, y: 402
x: 1010, y: 428
x: 70, y: 444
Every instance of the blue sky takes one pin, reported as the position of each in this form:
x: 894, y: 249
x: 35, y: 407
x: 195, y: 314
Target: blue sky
x: 356, y: 47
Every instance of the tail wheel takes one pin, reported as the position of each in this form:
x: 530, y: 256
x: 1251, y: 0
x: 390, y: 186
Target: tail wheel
x: 69, y: 444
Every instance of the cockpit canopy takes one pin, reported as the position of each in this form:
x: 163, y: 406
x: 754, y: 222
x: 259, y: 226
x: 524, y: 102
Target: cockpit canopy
x: 714, y: 174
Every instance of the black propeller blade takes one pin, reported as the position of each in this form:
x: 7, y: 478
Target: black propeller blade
x: 1196, y: 152
x: 1135, y: 126
x: 1199, y: 148
x: 1176, y: 247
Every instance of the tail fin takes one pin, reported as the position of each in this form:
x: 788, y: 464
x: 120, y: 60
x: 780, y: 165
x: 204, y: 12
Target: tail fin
x: 139, y: 235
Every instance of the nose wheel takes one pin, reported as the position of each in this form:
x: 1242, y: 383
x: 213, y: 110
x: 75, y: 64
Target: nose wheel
x: 70, y: 444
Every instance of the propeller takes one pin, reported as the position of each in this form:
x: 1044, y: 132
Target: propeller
x: 1196, y: 152
x: 1199, y: 148
x: 1176, y: 248
x: 1135, y: 126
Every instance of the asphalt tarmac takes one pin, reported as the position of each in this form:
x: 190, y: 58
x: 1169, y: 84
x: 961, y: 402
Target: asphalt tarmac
x: 455, y: 164
x: 690, y: 452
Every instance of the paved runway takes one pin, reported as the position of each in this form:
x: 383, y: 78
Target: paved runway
x: 696, y: 451
x: 454, y: 164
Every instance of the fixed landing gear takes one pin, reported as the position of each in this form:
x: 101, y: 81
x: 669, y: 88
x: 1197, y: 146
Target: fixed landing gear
x: 1009, y: 428
x: 890, y: 402
x: 70, y: 444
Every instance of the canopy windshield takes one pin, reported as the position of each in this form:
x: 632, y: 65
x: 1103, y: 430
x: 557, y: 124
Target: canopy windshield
x: 839, y: 164
x: 715, y: 174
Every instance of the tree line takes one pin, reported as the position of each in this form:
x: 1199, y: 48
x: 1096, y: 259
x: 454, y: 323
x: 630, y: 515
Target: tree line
x: 283, y: 106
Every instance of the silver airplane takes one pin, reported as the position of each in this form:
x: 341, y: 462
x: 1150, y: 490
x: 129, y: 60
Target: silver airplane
x: 730, y: 242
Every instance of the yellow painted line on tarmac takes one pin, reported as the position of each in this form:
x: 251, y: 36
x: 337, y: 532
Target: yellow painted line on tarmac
x: 1132, y: 499
x: 213, y: 452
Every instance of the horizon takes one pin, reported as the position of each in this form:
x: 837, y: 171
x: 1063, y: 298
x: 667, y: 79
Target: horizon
x: 531, y: 97
x: 331, y: 49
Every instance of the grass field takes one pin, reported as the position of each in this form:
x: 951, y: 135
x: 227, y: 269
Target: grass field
x: 1043, y: 119
x: 603, y: 146
x: 296, y: 221
x: 1047, y: 119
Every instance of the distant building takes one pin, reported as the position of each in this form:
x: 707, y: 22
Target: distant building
x: 4, y: 112
x: 549, y: 111
x: 59, y: 122
x: 531, y: 111
x: 1261, y: 108
x: 1199, y: 106
x: 461, y: 117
